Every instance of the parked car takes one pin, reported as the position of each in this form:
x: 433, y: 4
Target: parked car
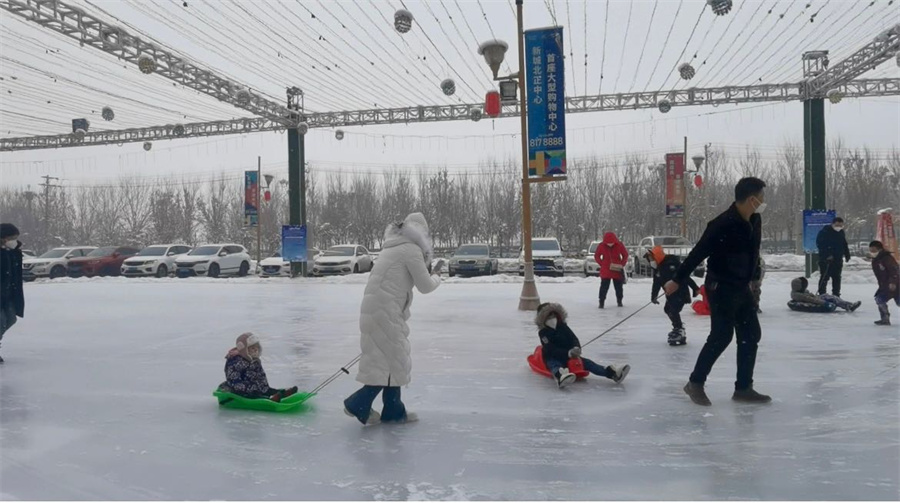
x: 547, y: 256
x: 274, y: 265
x: 28, y: 254
x: 473, y: 260
x: 53, y: 264
x: 342, y: 259
x: 105, y: 261
x: 672, y: 245
x: 214, y: 260
x: 592, y: 268
x: 155, y: 260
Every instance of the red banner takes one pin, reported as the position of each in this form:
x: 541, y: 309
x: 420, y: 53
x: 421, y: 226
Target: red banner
x: 885, y: 232
x: 675, y: 185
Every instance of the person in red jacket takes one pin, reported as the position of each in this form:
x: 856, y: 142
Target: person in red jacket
x: 611, y: 256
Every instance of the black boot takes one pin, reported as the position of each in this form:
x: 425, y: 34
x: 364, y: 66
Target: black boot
x: 885, y: 320
x: 602, y: 303
x: 619, y: 302
x: 696, y: 392
x: 750, y: 395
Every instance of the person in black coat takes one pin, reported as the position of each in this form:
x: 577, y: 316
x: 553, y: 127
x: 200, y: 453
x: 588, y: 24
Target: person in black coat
x: 832, y: 245
x: 731, y: 243
x: 665, y: 267
x: 559, y: 344
x: 12, y: 294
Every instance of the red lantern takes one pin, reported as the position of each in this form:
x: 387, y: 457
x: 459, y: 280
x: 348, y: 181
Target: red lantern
x: 268, y: 196
x: 492, y: 104
x: 698, y: 181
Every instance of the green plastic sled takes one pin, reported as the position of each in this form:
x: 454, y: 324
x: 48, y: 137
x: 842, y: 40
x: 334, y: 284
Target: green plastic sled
x: 232, y: 401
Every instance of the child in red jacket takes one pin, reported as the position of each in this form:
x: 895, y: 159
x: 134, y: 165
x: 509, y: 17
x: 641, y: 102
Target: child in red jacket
x: 886, y: 270
x: 611, y: 256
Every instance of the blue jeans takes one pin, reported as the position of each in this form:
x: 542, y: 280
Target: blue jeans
x: 594, y: 368
x: 360, y: 403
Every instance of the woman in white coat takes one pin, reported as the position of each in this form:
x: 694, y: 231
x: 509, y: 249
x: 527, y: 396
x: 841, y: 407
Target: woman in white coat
x: 386, y: 364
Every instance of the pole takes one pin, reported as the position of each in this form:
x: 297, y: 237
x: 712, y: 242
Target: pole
x: 684, y: 188
x: 258, y: 211
x: 295, y: 173
x: 814, y: 163
x: 529, y: 300
x: 304, y: 266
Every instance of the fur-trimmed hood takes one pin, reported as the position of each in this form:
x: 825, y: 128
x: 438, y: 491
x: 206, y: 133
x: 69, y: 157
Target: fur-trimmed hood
x: 799, y: 284
x: 414, y: 229
x: 546, y: 310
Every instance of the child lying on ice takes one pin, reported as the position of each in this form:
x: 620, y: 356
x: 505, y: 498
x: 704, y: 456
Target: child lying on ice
x: 244, y: 374
x: 559, y: 344
x: 800, y: 294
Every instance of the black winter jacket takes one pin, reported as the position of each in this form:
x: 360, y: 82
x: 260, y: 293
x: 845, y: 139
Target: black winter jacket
x: 11, y: 291
x: 832, y: 243
x: 556, y: 342
x: 667, y: 270
x: 732, y: 246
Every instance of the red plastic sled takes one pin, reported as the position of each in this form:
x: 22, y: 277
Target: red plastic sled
x: 536, y: 362
x: 701, y: 307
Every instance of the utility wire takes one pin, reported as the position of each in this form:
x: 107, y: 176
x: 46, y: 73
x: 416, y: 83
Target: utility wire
x: 624, y: 45
x: 664, y: 46
x: 644, y: 47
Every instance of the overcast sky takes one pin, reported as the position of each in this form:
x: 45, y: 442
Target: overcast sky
x: 270, y: 44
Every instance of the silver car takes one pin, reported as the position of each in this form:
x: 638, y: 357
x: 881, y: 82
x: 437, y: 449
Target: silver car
x: 473, y: 260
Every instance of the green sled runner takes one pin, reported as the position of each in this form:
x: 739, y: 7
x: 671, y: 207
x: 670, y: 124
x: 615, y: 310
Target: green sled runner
x: 232, y: 401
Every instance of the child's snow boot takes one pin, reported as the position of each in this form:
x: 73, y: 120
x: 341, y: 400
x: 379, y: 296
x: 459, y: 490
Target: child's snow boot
x: 677, y: 337
x: 564, y: 377
x: 618, y: 373
x: 855, y: 305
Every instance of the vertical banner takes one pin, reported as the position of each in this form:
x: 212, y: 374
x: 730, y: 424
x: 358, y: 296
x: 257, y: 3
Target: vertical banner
x: 293, y: 243
x: 251, y: 198
x: 813, y: 222
x: 885, y: 231
x: 675, y: 185
x: 546, y: 93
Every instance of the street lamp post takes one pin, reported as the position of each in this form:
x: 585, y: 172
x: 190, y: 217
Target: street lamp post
x: 494, y: 52
x: 686, y: 181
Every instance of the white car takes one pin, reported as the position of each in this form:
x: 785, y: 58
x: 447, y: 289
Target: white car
x: 155, y: 260
x: 54, y: 263
x: 672, y: 245
x: 547, y: 257
x: 275, y: 265
x: 31, y: 254
x: 214, y: 260
x: 342, y: 259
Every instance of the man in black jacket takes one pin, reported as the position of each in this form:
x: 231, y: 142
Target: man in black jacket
x: 12, y: 297
x: 832, y: 245
x: 731, y: 242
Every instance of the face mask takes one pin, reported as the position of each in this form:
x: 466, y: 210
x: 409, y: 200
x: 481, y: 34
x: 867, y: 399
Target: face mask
x: 12, y: 244
x: 551, y: 322
x: 610, y: 245
x: 838, y: 228
x: 761, y: 208
x: 653, y: 264
x: 873, y: 254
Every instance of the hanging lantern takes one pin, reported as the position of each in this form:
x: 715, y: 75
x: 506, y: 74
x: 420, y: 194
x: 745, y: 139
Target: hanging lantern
x: 835, y: 96
x: 448, y: 86
x: 339, y: 134
x: 665, y: 106
x: 242, y: 96
x: 403, y: 20
x: 698, y: 181
x: 178, y: 130
x: 720, y: 7
x: 147, y: 146
x: 492, y: 104
x: 303, y: 128
x: 687, y: 71
x: 79, y: 134
x: 268, y: 195
x: 107, y: 114
x: 475, y: 114
x: 146, y: 64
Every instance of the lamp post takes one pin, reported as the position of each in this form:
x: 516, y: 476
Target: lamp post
x: 494, y: 52
x: 259, y: 203
x: 698, y: 161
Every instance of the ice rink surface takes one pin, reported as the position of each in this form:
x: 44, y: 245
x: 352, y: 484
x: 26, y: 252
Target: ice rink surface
x: 106, y: 394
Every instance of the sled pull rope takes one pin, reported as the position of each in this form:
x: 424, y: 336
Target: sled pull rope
x: 610, y: 329
x: 343, y: 370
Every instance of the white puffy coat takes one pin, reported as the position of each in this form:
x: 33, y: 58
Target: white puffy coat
x: 385, y: 308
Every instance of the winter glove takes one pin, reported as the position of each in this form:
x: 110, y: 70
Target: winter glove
x: 438, y: 267
x: 575, y: 352
x: 654, y: 300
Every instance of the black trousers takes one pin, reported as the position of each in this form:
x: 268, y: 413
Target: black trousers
x: 673, y: 307
x: 604, y: 288
x: 732, y: 309
x: 831, y: 270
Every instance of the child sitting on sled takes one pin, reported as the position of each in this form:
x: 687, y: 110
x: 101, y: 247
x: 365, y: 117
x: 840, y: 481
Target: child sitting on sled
x: 244, y: 374
x: 559, y: 344
x: 802, y: 299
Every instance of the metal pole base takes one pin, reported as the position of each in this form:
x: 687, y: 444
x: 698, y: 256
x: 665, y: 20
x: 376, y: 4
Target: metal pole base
x: 529, y: 300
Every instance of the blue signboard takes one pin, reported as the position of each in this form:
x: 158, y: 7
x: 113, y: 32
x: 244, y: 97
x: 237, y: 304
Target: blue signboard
x: 293, y: 243
x: 546, y: 92
x: 813, y: 222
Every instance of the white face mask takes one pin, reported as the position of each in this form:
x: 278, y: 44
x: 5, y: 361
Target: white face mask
x: 551, y: 322
x: 761, y: 208
x: 838, y: 228
x: 12, y: 244
x: 873, y: 254
x: 653, y: 264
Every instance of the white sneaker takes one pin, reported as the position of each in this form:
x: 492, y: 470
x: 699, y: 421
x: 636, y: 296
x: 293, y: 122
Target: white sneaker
x: 565, y: 378
x: 374, y: 417
x: 620, y: 372
x: 411, y: 417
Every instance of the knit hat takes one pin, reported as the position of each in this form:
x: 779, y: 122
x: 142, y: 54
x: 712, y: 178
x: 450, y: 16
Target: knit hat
x: 243, y: 343
x: 8, y: 230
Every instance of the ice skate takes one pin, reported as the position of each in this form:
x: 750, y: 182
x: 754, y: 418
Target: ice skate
x: 618, y: 372
x: 750, y: 395
x: 677, y: 337
x: 697, y: 393
x: 564, y: 377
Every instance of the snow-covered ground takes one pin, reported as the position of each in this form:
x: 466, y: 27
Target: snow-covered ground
x: 105, y: 394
